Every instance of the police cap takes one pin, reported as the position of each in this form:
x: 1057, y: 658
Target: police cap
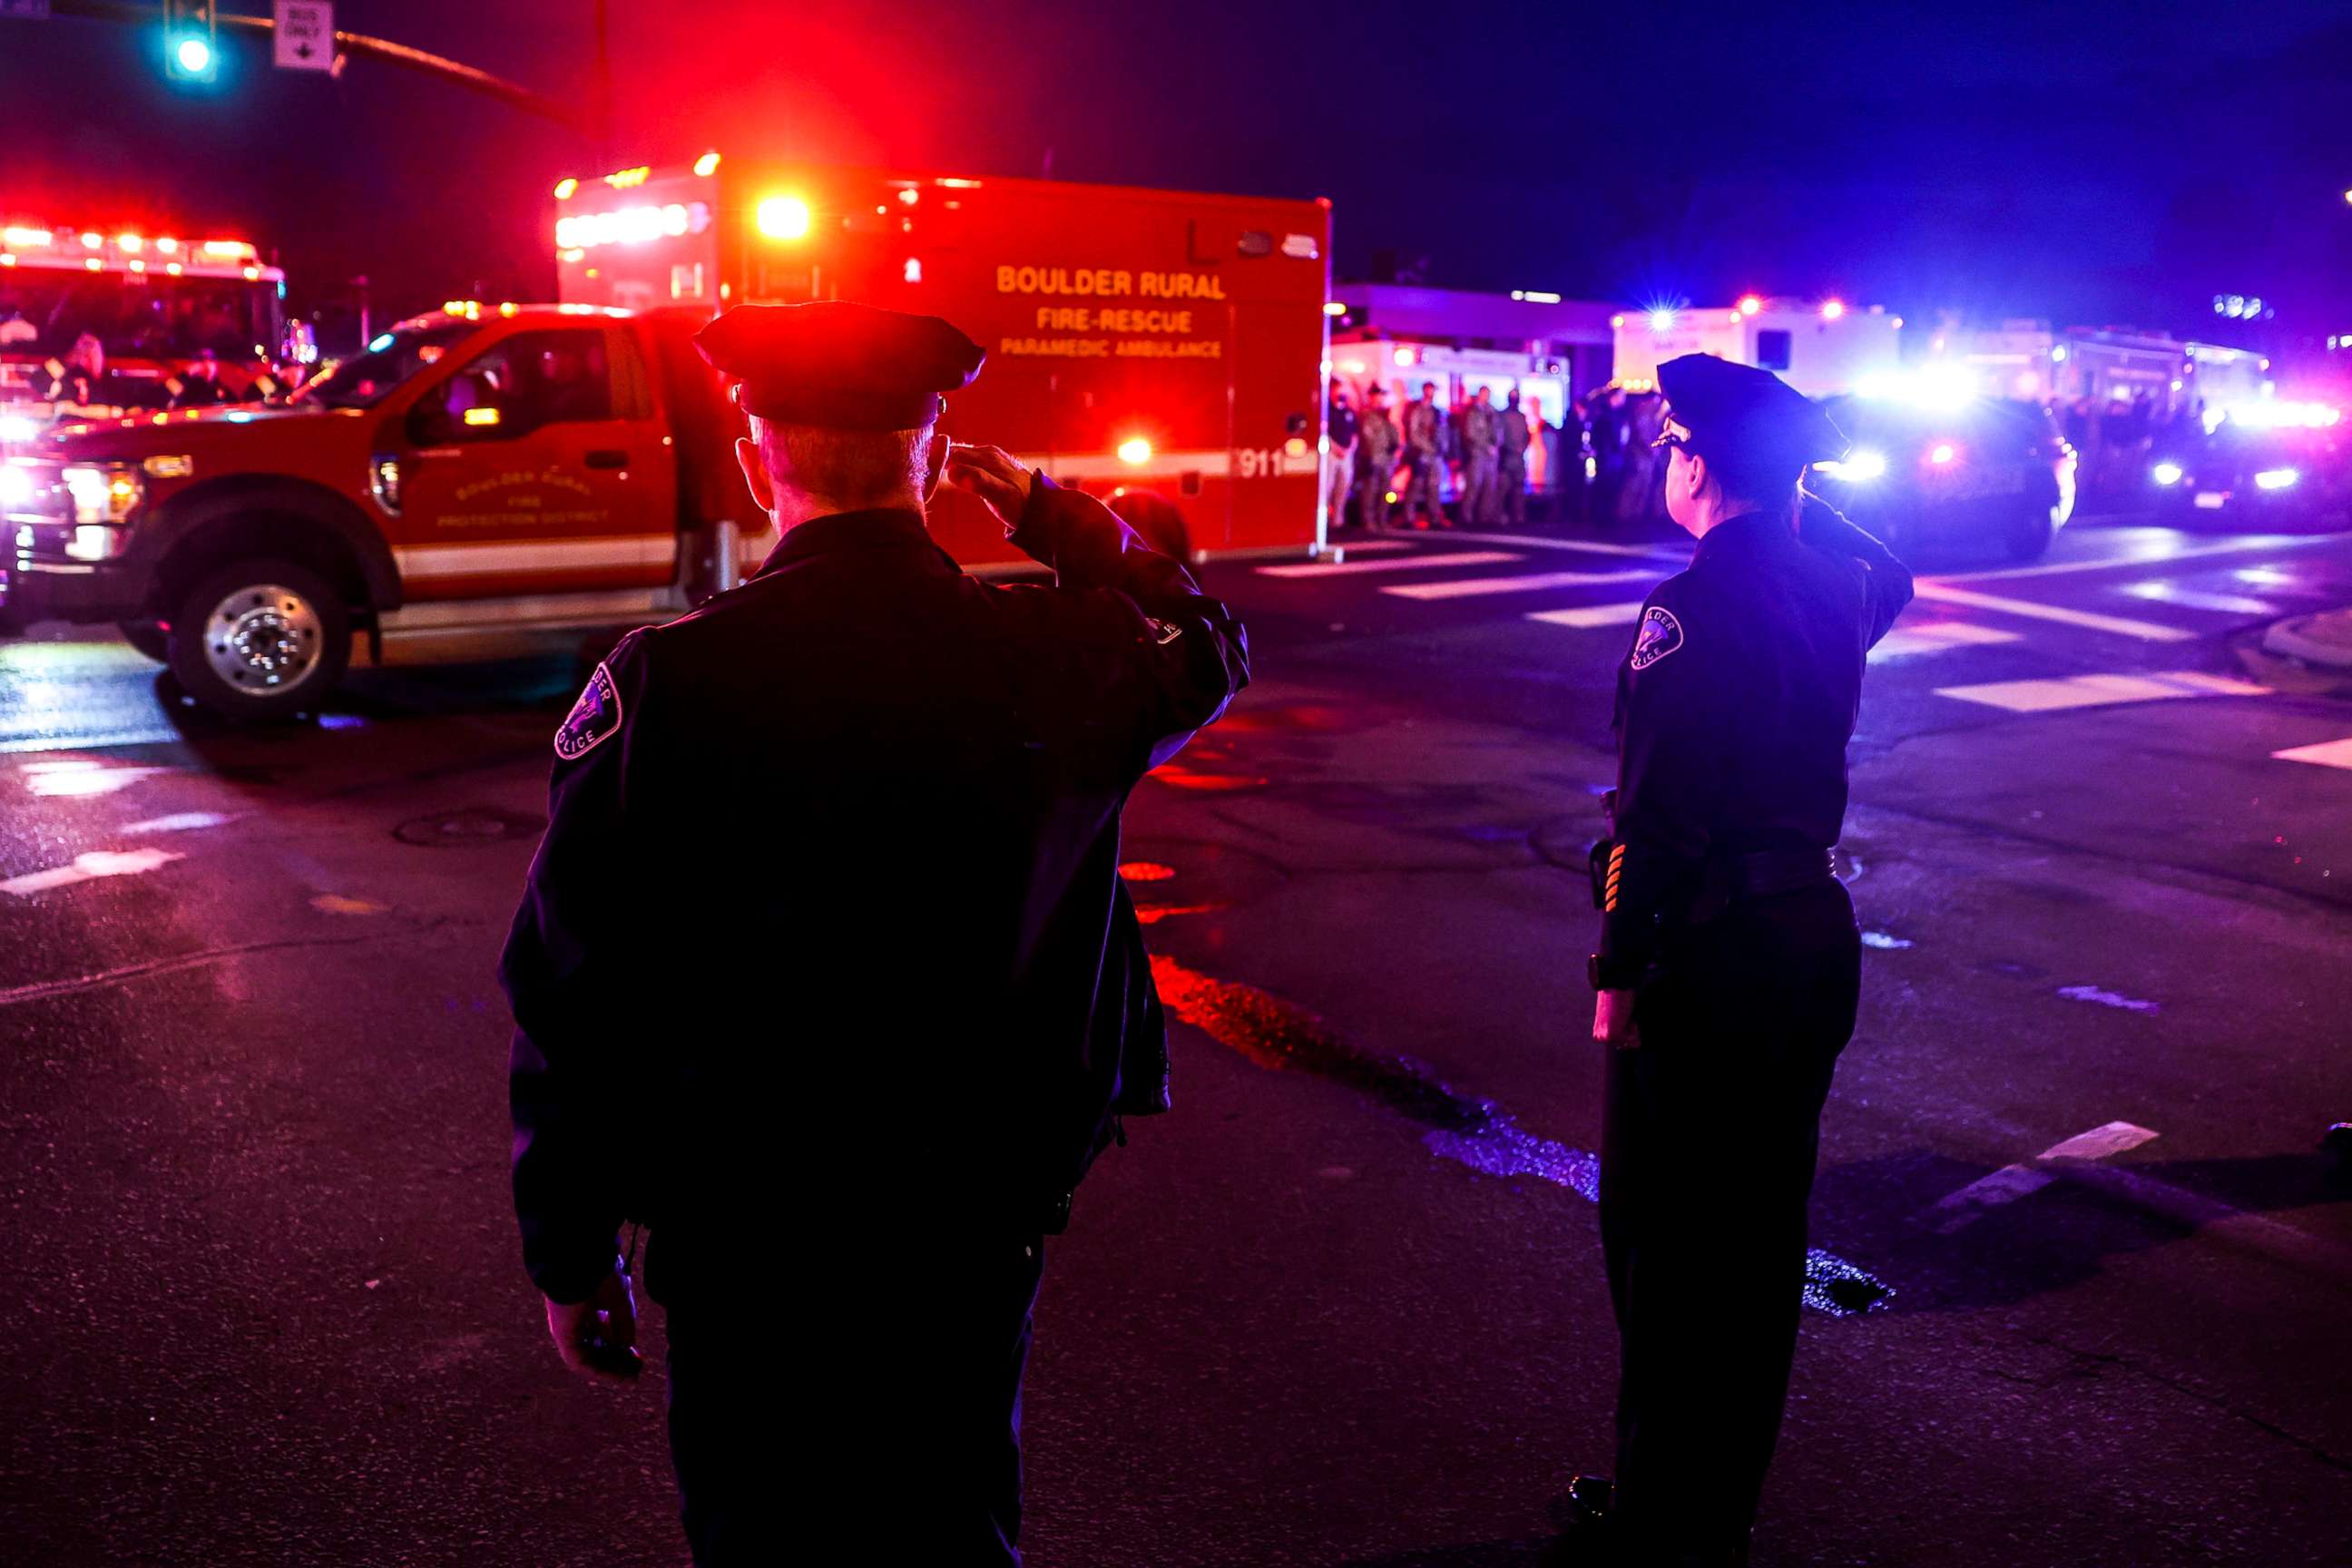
x: 1744, y: 414
x: 839, y: 365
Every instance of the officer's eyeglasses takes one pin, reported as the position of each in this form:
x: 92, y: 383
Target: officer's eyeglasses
x: 1669, y: 438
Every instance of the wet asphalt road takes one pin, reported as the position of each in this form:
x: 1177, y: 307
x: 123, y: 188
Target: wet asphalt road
x: 1344, y: 1306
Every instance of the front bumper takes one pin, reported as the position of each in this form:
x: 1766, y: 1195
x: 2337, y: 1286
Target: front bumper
x: 81, y: 595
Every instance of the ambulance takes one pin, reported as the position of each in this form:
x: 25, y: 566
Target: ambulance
x: 1136, y: 338
x: 1821, y: 348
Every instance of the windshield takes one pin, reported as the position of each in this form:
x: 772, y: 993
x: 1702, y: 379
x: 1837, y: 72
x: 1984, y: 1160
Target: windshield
x: 368, y: 379
x: 137, y: 315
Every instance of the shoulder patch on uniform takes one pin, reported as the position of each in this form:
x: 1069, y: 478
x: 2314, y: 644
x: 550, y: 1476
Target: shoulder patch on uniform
x: 1163, y: 632
x: 1661, y: 635
x: 593, y: 719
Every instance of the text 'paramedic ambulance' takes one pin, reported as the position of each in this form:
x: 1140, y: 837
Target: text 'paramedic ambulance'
x: 154, y: 302
x: 1136, y: 338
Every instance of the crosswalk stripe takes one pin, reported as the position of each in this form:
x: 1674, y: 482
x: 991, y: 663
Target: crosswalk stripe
x: 1470, y: 587
x: 1591, y: 615
x: 2327, y: 753
x: 1389, y: 563
x: 2161, y: 557
x: 2165, y: 593
x: 1935, y: 637
x: 2146, y: 631
x: 2096, y: 691
x: 1597, y: 547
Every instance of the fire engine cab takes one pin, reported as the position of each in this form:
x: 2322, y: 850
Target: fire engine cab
x: 154, y: 302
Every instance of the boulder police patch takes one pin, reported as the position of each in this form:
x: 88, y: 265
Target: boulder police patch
x: 1661, y: 634
x: 593, y: 719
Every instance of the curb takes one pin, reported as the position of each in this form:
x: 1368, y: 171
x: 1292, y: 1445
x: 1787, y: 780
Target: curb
x: 2294, y: 638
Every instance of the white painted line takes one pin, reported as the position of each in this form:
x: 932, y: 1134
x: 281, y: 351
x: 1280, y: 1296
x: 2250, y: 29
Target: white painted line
x: 2165, y: 593
x: 82, y: 776
x: 1346, y: 548
x: 2145, y: 557
x: 1536, y: 541
x: 1470, y: 587
x: 2327, y: 753
x: 1592, y: 616
x: 2098, y: 691
x: 1935, y: 637
x: 89, y: 867
x: 1956, y: 1210
x: 2099, y: 1142
x: 2146, y: 631
x: 178, y: 822
x: 1389, y: 563
x: 2107, y: 998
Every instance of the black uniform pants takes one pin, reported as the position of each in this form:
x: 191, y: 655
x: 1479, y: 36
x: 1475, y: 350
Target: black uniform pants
x: 1708, y: 1145
x: 870, y: 1411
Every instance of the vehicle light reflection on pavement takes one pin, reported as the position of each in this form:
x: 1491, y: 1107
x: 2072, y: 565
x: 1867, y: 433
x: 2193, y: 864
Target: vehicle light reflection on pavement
x: 1274, y: 1034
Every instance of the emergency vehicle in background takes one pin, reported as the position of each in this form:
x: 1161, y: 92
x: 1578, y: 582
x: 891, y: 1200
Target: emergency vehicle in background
x: 1136, y: 339
x: 2022, y: 357
x: 1821, y: 350
x: 1400, y: 336
x: 153, y: 302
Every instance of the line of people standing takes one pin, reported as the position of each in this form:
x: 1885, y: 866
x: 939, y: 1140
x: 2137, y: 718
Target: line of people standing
x: 1491, y: 451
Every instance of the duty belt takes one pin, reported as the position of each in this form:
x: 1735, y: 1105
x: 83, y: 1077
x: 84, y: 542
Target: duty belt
x: 1779, y: 871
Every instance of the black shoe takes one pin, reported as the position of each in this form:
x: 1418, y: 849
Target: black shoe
x: 2336, y: 1142
x: 1587, y: 1538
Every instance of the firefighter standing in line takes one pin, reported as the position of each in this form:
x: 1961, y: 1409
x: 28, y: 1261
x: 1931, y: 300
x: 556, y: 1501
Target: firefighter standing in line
x: 1377, y: 440
x: 1424, y: 441
x: 1515, y: 435
x: 78, y: 381
x: 200, y: 386
x: 1341, y: 453
x: 1478, y: 460
x: 1729, y: 966
x: 872, y: 806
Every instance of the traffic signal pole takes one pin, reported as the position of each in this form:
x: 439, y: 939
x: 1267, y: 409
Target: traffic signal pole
x: 592, y: 124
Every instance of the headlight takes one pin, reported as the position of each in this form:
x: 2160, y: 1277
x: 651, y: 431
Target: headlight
x: 101, y: 495
x: 2277, y: 479
x: 17, y: 427
x: 1858, y: 468
x: 15, y: 486
x: 2166, y: 473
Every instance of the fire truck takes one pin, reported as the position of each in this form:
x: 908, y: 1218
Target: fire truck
x: 1136, y: 338
x: 484, y: 471
x: 154, y: 302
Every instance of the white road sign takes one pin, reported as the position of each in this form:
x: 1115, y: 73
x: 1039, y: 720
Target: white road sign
x: 306, y: 34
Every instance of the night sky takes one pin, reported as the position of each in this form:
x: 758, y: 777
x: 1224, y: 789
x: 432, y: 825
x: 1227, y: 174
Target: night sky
x: 2097, y: 164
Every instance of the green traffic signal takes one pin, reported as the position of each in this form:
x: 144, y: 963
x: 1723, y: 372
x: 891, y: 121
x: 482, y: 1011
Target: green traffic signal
x: 188, y: 51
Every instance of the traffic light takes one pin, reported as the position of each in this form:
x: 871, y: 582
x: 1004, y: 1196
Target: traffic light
x: 190, y: 52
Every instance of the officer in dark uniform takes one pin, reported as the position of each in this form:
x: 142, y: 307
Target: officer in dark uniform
x: 1729, y: 966
x: 200, y: 385
x: 825, y: 970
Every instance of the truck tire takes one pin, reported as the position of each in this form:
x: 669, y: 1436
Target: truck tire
x: 261, y: 641
x: 149, y: 638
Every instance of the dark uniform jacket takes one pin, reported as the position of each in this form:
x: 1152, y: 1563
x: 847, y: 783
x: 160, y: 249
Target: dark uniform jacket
x: 827, y: 929
x: 1734, y: 708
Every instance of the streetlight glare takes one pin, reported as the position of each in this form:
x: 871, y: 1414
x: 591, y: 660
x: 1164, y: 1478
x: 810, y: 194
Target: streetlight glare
x: 196, y: 55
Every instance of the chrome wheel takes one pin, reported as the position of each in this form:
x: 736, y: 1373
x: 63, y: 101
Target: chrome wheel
x: 264, y: 638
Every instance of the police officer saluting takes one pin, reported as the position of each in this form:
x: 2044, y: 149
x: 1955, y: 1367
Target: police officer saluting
x: 825, y: 970
x: 1729, y: 966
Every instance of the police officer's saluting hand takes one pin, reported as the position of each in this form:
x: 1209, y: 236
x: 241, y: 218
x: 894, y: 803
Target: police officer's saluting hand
x: 824, y: 969
x: 1728, y: 966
